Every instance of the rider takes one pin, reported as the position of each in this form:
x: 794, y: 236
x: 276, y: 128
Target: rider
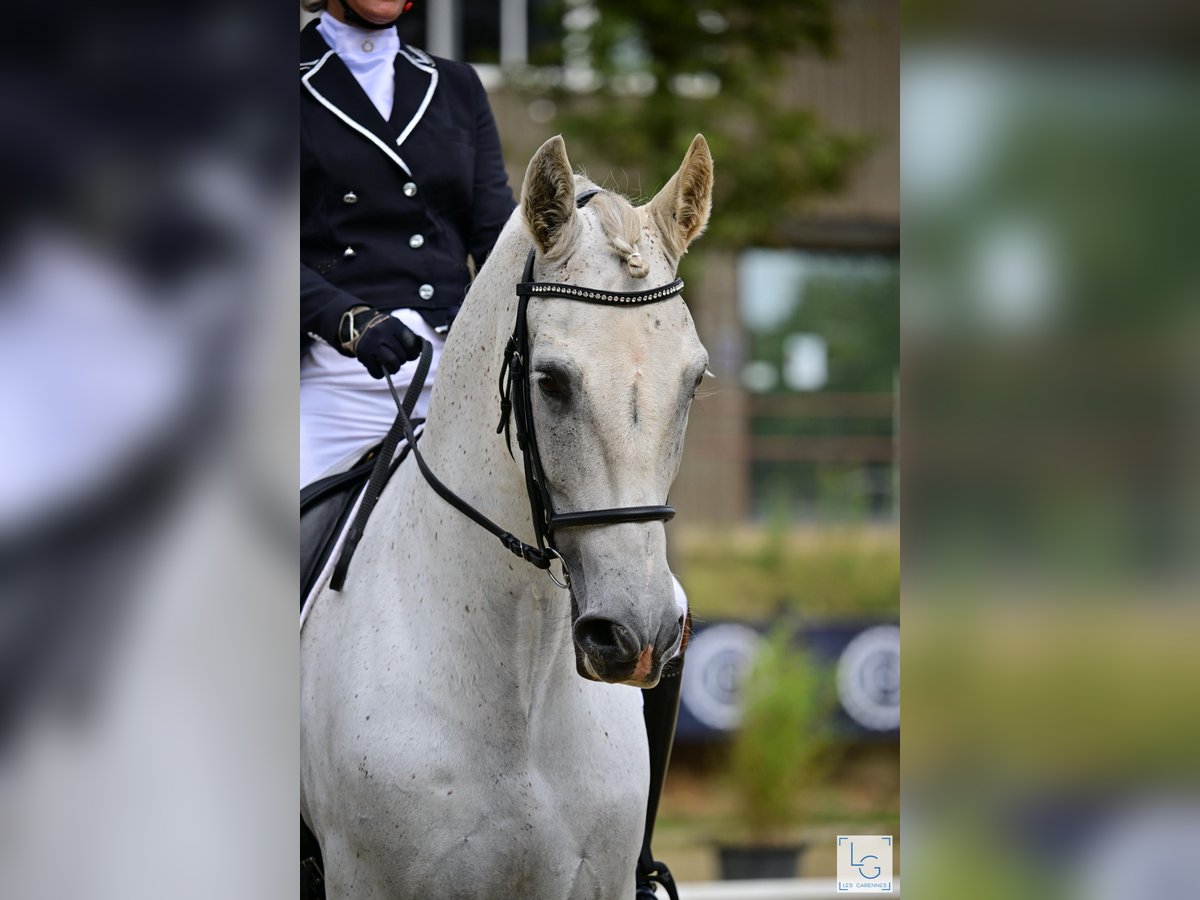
x: 402, y: 178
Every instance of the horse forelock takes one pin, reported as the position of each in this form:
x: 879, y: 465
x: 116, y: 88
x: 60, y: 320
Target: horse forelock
x: 621, y: 224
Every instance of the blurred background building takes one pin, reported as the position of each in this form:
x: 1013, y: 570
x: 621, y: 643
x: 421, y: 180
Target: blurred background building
x: 795, y: 290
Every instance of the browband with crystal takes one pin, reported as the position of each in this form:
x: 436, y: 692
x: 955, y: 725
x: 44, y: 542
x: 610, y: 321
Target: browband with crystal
x: 530, y: 288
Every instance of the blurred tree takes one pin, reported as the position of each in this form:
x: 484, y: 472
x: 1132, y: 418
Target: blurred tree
x: 641, y: 77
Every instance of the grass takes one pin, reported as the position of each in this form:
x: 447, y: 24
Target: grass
x: 756, y: 573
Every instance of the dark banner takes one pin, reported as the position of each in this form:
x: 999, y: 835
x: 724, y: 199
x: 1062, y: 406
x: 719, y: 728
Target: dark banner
x: 863, y: 657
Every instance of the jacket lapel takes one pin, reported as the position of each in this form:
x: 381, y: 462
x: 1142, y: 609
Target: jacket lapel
x: 328, y: 80
x: 416, y: 81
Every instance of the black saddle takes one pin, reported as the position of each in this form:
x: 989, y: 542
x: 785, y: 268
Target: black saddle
x: 325, y: 507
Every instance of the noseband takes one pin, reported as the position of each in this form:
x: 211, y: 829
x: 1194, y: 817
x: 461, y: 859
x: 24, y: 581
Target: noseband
x: 516, y: 405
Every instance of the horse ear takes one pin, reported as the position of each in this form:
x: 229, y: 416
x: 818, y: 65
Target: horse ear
x: 548, y: 198
x: 681, y: 208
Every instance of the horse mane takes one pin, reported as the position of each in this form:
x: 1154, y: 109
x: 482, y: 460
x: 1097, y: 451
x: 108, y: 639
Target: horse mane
x: 622, y: 227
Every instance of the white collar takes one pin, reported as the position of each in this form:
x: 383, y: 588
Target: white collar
x: 360, y: 43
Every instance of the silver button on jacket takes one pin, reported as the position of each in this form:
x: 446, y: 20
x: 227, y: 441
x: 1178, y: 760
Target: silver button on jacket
x: 416, y: 241
x: 426, y: 291
x: 410, y: 189
x: 349, y: 251
x: 350, y: 197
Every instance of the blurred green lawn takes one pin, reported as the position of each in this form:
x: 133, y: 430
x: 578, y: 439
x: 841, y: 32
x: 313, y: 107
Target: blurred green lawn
x: 816, y: 572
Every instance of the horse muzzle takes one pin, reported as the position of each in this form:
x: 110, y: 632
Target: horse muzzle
x: 609, y: 651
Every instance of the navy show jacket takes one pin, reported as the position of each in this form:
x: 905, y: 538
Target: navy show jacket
x: 389, y: 210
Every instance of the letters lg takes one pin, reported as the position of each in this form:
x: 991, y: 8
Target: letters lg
x: 860, y: 863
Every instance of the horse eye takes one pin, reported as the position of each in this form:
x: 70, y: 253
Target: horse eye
x: 549, y: 385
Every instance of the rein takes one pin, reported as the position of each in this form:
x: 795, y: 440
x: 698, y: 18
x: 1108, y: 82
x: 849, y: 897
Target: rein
x: 516, y: 406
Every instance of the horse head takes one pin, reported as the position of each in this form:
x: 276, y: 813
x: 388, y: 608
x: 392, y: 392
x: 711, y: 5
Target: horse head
x: 610, y: 390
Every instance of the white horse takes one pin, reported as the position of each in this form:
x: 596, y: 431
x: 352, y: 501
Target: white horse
x: 449, y: 746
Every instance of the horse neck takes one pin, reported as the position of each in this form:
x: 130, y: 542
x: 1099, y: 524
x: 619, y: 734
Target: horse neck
x: 461, y: 432
x: 527, y: 617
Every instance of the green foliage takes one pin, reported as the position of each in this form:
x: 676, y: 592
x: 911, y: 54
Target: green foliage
x: 784, y: 744
x: 831, y: 573
x: 771, y: 153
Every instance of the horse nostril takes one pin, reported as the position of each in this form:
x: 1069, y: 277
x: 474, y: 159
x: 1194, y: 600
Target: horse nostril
x: 606, y: 637
x: 670, y: 635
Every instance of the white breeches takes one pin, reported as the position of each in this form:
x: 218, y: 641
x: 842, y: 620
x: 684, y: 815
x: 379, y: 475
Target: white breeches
x: 343, y: 410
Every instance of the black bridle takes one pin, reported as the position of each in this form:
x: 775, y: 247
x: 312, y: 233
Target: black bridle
x: 516, y: 406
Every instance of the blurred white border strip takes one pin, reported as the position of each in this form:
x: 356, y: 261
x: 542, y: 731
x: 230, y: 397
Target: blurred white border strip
x: 768, y: 889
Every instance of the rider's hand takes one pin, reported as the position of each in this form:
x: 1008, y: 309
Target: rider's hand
x: 384, y: 343
x: 386, y: 346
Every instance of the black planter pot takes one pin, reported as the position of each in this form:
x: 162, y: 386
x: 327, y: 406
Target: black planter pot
x: 759, y: 860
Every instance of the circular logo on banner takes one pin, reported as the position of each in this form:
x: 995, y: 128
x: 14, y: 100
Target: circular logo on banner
x: 717, y: 658
x: 868, y: 678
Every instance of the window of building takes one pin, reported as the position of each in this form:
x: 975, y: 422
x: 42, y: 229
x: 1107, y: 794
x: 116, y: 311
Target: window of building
x: 822, y: 359
x: 493, y: 33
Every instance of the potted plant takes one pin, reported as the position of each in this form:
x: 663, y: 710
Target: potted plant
x: 782, y: 747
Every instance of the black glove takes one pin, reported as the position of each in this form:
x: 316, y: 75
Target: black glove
x: 384, y: 343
